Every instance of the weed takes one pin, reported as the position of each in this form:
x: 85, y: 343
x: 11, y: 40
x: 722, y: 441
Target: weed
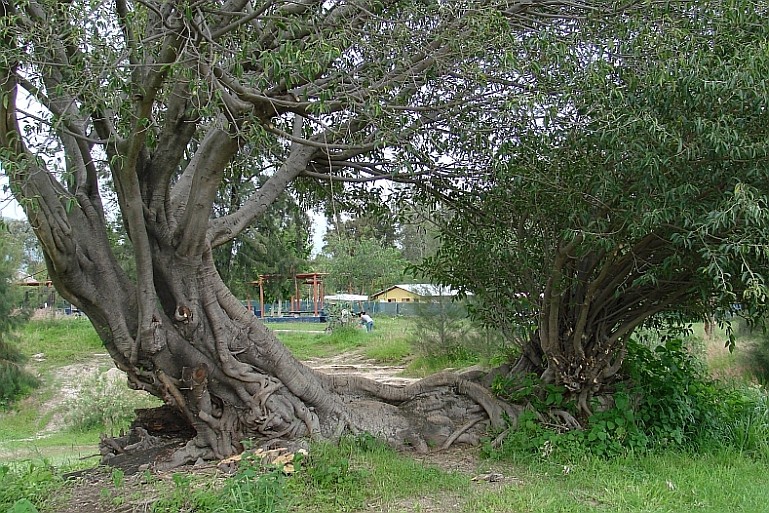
x: 28, y: 486
x: 118, y: 477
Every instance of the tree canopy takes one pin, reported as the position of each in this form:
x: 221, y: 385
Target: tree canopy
x: 153, y: 107
x: 632, y: 190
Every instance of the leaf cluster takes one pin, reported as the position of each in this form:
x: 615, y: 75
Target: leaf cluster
x: 650, y: 145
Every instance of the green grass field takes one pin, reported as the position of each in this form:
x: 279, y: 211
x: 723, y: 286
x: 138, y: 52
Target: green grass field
x: 361, y: 474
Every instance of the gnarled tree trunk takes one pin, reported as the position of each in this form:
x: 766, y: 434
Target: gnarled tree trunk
x: 163, y: 99
x: 213, y: 360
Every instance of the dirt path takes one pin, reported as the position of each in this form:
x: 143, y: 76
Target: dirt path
x: 357, y: 364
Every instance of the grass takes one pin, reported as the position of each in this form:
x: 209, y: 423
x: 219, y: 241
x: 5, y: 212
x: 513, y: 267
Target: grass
x: 361, y: 473
x: 426, y: 365
x: 296, y: 326
x: 388, y: 342
x: 664, y: 483
x: 61, y: 341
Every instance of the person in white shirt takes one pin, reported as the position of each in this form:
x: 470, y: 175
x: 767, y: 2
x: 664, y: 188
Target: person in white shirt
x: 366, y: 321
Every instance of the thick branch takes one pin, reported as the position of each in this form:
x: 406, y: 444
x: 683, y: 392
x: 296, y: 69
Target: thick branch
x: 226, y: 228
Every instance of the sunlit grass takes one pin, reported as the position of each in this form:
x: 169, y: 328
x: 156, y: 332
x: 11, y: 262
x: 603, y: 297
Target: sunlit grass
x: 61, y: 341
x: 422, y: 366
x: 670, y: 482
x: 388, y: 342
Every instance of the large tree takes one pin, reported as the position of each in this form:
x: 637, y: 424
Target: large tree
x: 164, y: 100
x: 635, y: 195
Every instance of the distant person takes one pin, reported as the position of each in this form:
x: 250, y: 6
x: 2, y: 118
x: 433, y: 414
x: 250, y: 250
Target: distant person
x: 367, y: 321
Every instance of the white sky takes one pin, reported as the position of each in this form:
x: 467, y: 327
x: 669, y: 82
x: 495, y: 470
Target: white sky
x: 319, y: 228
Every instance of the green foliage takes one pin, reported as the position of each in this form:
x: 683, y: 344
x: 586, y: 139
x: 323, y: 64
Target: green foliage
x: 364, y: 265
x: 669, y: 402
x: 641, y: 187
x: 27, y: 487
x: 685, y: 403
x: 106, y: 405
x: 15, y: 382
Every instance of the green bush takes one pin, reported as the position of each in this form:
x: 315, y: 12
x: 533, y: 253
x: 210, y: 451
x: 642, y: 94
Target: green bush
x: 106, y: 405
x: 15, y: 382
x: 667, y: 402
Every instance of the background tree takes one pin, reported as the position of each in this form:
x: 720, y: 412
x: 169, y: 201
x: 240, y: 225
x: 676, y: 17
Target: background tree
x: 14, y: 380
x: 22, y: 247
x: 277, y: 243
x: 637, y: 194
x: 360, y: 266
x: 168, y: 100
x: 417, y: 241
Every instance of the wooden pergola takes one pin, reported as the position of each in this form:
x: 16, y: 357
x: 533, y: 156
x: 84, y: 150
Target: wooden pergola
x: 313, y: 280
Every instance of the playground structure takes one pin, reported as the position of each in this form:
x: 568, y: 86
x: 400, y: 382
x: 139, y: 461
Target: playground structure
x: 42, y: 297
x: 299, y: 310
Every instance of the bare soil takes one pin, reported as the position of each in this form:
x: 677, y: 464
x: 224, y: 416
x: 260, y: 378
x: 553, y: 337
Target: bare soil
x: 357, y: 364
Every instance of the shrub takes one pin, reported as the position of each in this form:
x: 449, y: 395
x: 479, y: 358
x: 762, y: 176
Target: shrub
x: 15, y: 382
x: 105, y: 404
x: 440, y: 328
x: 444, y: 336
x: 667, y: 402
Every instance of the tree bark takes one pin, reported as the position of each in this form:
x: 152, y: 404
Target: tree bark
x: 229, y: 376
